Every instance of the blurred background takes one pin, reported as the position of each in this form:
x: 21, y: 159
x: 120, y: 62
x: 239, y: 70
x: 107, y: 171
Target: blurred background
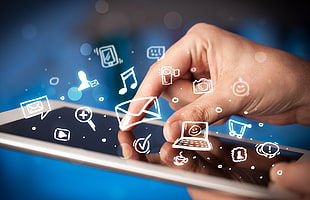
x: 44, y: 44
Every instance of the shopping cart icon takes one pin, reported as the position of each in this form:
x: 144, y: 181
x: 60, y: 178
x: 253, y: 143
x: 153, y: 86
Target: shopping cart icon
x: 237, y: 128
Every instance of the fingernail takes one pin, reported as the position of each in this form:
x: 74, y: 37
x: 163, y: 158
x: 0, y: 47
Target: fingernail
x: 124, y: 123
x: 172, y: 131
x: 277, y: 171
x: 126, y: 150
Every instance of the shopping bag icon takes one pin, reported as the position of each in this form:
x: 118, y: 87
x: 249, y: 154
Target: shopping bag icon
x: 146, y: 111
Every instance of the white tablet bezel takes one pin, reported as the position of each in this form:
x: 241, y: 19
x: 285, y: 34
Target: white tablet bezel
x: 133, y: 167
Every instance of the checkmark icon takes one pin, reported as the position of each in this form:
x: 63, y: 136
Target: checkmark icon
x: 143, y: 144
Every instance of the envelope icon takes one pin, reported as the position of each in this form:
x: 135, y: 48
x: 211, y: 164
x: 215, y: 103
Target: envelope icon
x: 35, y: 107
x: 147, y: 115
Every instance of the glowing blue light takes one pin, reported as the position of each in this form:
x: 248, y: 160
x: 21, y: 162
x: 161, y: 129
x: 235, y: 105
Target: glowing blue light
x: 85, y: 49
x: 74, y: 94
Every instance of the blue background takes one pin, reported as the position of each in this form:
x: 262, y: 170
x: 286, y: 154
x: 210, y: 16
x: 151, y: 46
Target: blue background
x: 41, y: 40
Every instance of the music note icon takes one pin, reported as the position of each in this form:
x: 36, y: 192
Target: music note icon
x: 125, y: 75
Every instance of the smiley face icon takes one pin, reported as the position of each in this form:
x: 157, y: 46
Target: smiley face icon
x: 194, y: 130
x: 241, y: 88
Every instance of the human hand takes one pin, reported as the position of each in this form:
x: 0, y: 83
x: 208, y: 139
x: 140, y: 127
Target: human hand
x: 278, y: 81
x: 208, y: 162
x: 126, y: 140
x: 291, y: 176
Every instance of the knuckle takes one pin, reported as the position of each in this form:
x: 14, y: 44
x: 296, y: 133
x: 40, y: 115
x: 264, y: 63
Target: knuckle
x: 200, y: 113
x: 202, y: 28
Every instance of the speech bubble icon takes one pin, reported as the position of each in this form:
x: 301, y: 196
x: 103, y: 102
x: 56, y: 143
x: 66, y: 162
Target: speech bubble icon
x: 268, y: 149
x: 155, y: 52
x: 37, y: 106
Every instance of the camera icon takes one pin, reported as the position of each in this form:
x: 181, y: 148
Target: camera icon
x: 167, y: 73
x: 202, y: 86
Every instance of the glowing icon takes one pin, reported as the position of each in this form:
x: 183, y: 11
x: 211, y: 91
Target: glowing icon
x: 268, y: 149
x: 146, y: 109
x: 180, y: 160
x: 142, y: 145
x: 108, y: 56
x: 167, y: 73
x: 85, y: 114
x: 202, y: 86
x: 84, y: 82
x: 34, y: 107
x: 241, y: 88
x: 237, y: 128
x: 194, y: 136
x: 155, y: 52
x: 54, y: 81
x: 125, y: 75
x: 239, y: 154
x: 62, y: 134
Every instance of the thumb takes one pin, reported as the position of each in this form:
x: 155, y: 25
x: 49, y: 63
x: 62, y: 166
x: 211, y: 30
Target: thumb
x: 292, y: 176
x: 209, y: 107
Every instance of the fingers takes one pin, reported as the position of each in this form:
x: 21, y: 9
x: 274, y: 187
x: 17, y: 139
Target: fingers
x: 199, y: 194
x: 278, y: 119
x: 210, y: 107
x: 178, y: 60
x: 175, y: 94
x: 175, y: 65
x: 181, y: 159
x: 126, y: 140
x: 292, y: 176
x: 189, y: 161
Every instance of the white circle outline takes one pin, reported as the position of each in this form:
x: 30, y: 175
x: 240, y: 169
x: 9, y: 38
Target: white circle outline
x: 86, y: 109
x: 175, y: 100
x: 218, y: 109
x: 52, y: 80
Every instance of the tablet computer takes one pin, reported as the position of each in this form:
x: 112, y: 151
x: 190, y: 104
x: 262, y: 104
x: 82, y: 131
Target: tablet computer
x: 91, y: 136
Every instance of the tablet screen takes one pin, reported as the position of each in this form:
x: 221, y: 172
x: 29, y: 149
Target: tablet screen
x: 233, y: 159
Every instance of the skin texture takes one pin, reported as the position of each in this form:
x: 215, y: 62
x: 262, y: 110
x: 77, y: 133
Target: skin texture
x: 277, y: 82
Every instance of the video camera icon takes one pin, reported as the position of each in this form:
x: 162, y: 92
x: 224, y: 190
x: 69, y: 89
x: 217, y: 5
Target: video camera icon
x: 167, y: 74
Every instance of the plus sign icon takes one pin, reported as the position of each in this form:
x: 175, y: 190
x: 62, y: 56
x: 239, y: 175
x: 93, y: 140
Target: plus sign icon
x: 85, y: 114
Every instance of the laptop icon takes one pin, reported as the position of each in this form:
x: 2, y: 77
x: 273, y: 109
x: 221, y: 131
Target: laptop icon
x: 194, y: 136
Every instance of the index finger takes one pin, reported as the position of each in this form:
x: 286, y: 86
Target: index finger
x: 175, y: 63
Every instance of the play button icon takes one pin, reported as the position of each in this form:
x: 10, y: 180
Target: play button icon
x: 62, y: 134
